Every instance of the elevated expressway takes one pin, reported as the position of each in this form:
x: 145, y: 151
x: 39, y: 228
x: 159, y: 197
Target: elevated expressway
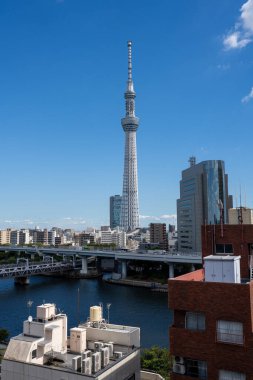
x: 117, y: 255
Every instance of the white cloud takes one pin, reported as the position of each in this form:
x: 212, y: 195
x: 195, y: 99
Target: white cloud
x: 165, y: 218
x: 168, y: 216
x: 248, y: 97
x: 223, y: 66
x: 242, y: 33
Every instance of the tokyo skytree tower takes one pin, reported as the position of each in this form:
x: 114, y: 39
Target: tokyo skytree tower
x: 130, y: 123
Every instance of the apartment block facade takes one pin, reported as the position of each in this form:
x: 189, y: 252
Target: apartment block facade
x: 212, y: 333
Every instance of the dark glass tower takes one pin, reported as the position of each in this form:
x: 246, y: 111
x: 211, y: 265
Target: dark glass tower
x: 203, y: 200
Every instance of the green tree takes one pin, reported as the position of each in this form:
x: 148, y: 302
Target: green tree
x: 157, y: 359
x: 3, y: 335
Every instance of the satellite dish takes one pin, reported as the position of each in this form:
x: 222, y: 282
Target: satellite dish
x: 30, y: 318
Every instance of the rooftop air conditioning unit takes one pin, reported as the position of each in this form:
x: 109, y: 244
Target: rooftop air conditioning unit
x: 98, y: 346
x: 179, y: 368
x: 76, y: 363
x: 179, y: 360
x: 96, y: 362
x: 86, y: 354
x: 104, y: 356
x: 87, y: 366
x: 118, y: 354
x: 110, y: 346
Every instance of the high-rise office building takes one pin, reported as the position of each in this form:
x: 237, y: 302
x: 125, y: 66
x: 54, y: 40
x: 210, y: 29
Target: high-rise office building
x: 130, y: 123
x: 203, y: 200
x: 115, y: 210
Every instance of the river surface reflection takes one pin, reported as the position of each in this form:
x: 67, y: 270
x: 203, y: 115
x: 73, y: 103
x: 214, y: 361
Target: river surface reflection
x: 129, y: 306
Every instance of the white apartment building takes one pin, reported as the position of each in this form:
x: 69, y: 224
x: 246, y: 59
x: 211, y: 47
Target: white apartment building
x: 119, y: 238
x: 24, y: 237
x: 94, y: 350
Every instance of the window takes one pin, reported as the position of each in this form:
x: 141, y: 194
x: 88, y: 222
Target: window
x: 224, y: 249
x: 230, y: 332
x: 229, y: 375
x: 196, y: 368
x: 195, y: 321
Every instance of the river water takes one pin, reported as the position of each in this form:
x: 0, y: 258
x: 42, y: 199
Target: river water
x: 129, y: 306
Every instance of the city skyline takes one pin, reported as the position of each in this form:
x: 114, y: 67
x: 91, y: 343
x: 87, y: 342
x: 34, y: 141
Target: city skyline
x: 62, y: 79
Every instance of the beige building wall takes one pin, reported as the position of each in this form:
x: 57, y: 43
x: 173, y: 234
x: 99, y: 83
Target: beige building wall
x: 5, y: 236
x: 240, y: 215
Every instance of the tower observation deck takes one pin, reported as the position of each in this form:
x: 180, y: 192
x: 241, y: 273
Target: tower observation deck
x: 130, y: 123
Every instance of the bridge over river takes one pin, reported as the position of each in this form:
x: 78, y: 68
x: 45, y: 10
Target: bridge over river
x: 120, y: 256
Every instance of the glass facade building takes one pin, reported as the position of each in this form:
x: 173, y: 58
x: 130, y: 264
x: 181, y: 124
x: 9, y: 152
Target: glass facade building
x: 203, y: 200
x: 115, y: 210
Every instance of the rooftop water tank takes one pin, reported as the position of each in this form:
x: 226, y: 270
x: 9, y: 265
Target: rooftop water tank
x: 96, y: 313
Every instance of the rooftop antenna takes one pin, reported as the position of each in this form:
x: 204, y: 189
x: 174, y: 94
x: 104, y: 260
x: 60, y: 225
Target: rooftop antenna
x: 240, y: 220
x: 220, y: 205
x: 101, y: 305
x: 108, y: 305
x: 192, y: 161
x: 29, y: 305
x: 78, y: 306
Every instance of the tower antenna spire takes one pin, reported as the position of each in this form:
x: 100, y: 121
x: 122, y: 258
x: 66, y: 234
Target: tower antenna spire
x: 129, y: 44
x: 130, y: 204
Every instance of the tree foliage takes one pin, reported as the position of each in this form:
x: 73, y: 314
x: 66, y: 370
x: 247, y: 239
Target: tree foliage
x: 157, y: 359
x: 3, y: 335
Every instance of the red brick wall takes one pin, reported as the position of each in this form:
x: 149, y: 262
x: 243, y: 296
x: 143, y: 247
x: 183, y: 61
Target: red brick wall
x: 240, y: 236
x: 218, y: 301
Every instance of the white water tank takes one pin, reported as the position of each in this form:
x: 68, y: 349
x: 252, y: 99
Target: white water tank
x: 96, y: 313
x: 46, y: 311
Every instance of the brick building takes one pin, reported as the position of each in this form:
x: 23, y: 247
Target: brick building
x: 158, y: 235
x: 212, y: 333
x: 236, y: 239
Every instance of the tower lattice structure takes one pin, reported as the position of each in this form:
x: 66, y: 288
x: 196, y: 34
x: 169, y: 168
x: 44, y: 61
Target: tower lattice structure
x: 130, y: 123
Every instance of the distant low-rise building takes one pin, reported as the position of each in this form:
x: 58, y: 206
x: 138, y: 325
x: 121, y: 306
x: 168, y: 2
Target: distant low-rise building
x: 14, y: 237
x: 5, y: 236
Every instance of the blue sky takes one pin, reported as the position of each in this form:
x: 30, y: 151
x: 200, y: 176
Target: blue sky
x: 63, y: 76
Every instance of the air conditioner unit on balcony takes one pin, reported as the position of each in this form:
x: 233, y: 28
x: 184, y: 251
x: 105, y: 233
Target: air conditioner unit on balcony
x: 179, y: 359
x: 179, y: 368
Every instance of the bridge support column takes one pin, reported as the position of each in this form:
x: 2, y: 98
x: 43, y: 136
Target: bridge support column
x: 21, y: 280
x: 84, y: 269
x: 171, y: 270
x: 123, y: 269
